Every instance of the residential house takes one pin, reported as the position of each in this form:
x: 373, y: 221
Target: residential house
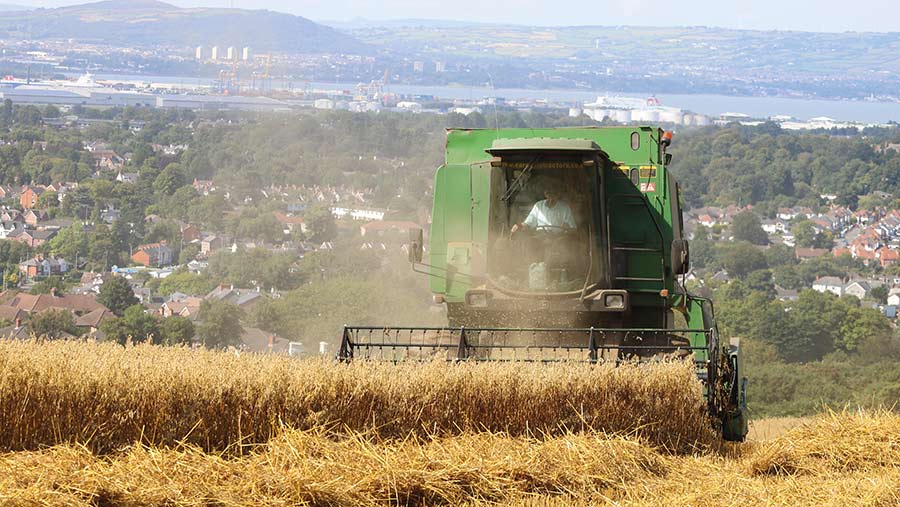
x: 357, y: 213
x: 889, y: 226
x: 90, y: 322
x: 123, y: 177
x: 244, y: 298
x: 824, y: 223
x: 196, y: 266
x: 153, y: 254
x: 785, y: 294
x: 774, y: 226
x: 34, y: 216
x: 721, y: 276
x: 30, y: 195
x: 841, y: 251
x: 259, y: 341
x: 31, y: 237
x: 868, y: 257
x: 11, y: 215
x: 863, y: 216
x: 888, y: 257
x: 106, y: 160
x: 78, y: 304
x: 110, y: 215
x: 187, y: 307
x: 8, y: 228
x: 210, y: 244
x: 290, y: 222
x: 894, y: 297
x: 189, y: 233
x: 839, y: 216
x: 12, y: 315
x: 380, y: 228
x: 63, y: 189
x: 809, y: 253
x: 707, y: 220
x: 203, y: 187
x: 44, y: 266
x: 830, y: 284
x: 170, y: 149
x: 857, y: 288
x: 890, y: 311
x: 787, y: 213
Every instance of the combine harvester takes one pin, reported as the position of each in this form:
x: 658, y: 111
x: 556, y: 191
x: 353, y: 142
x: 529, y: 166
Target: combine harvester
x: 562, y: 244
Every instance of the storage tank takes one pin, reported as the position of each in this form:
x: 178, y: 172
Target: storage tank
x: 672, y: 116
x: 645, y: 115
x: 621, y: 115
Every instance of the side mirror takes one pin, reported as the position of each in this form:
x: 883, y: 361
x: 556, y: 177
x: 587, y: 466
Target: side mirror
x: 415, y: 245
x: 681, y: 259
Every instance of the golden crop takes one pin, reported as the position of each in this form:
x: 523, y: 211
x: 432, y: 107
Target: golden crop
x: 88, y: 424
x: 107, y: 397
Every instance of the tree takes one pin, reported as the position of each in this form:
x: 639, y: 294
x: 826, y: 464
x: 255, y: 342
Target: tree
x: 780, y: 255
x: 186, y: 282
x: 47, y: 286
x: 761, y: 281
x: 746, y: 227
x: 879, y: 293
x: 188, y: 253
x: 135, y: 325
x: 117, y: 295
x: 859, y: 325
x: 808, y: 236
x: 177, y: 330
x: 99, y: 247
x: 220, y: 324
x: 804, y: 234
x: 815, y: 324
x: 70, y: 243
x: 48, y: 200
x: 320, y: 224
x: 169, y: 180
x: 742, y: 258
x: 53, y: 324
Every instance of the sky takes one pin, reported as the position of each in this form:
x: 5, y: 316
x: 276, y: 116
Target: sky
x: 805, y: 15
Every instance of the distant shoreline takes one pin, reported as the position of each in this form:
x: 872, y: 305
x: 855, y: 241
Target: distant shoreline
x: 712, y: 105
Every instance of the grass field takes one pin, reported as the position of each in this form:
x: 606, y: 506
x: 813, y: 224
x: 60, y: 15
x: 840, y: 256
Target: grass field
x: 267, y: 457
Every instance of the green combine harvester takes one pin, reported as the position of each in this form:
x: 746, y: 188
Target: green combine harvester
x: 562, y: 245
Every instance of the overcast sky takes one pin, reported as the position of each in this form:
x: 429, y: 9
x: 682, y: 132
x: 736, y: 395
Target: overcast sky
x: 808, y: 15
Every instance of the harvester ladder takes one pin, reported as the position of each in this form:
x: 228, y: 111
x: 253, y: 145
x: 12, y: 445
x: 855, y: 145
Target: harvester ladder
x: 659, y: 252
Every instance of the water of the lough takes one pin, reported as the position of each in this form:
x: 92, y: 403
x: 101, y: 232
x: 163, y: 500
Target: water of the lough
x: 863, y: 111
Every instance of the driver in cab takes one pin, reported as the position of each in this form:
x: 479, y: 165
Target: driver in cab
x: 549, y: 214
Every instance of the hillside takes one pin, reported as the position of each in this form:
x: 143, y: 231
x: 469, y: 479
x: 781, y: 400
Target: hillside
x: 759, y: 51
x: 152, y: 23
x: 654, y: 59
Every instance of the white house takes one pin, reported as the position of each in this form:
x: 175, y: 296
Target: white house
x: 894, y: 297
x: 858, y: 288
x: 358, y: 213
x: 830, y: 284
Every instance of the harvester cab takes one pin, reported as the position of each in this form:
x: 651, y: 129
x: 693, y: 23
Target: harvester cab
x: 561, y: 244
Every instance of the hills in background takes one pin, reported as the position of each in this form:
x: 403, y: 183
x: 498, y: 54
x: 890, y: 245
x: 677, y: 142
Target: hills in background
x: 154, y: 23
x: 676, y: 46
x: 446, y: 52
